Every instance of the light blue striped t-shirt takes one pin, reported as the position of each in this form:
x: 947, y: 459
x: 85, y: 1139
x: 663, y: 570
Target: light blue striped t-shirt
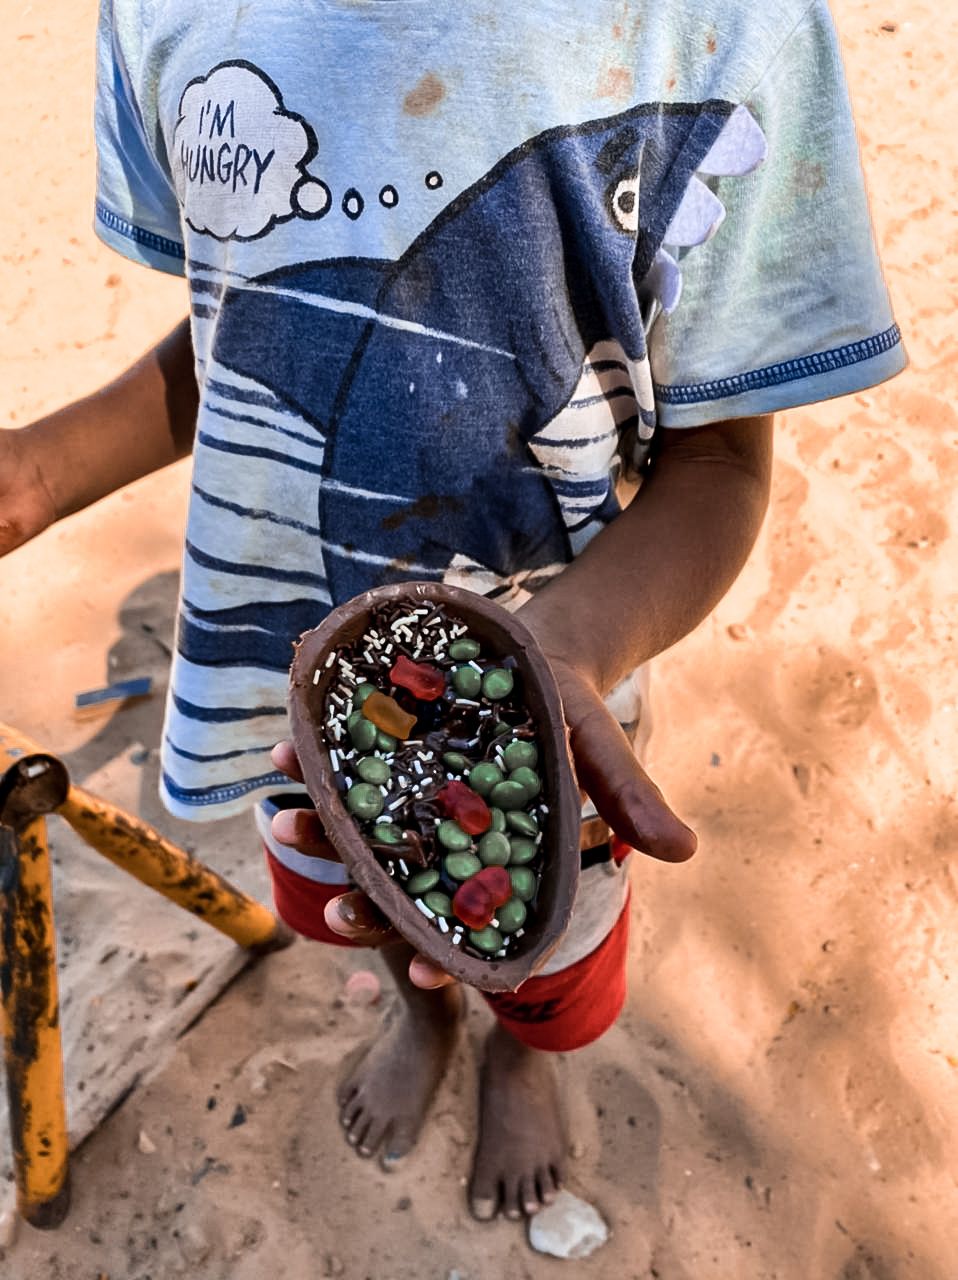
x: 450, y: 263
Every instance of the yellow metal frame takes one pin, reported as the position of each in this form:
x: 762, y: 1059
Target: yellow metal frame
x: 34, y: 784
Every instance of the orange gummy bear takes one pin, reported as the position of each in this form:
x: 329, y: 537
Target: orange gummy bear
x: 386, y: 714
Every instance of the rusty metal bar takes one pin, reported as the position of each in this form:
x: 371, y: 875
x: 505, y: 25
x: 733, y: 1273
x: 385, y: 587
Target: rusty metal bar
x: 31, y: 1025
x: 142, y: 852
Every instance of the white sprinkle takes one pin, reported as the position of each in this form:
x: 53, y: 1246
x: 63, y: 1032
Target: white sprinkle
x: 475, y: 666
x: 450, y: 777
x: 317, y: 676
x: 500, y: 953
x: 418, y: 795
x: 417, y: 652
x: 414, y: 742
x: 335, y: 698
x: 330, y: 660
x: 543, y: 808
x: 421, y: 613
x: 518, y: 933
x: 494, y: 922
x: 430, y: 755
x: 466, y: 702
x: 456, y: 939
x: 385, y: 659
x: 403, y: 868
x: 402, y: 780
x: 368, y: 656
x: 443, y: 925
x: 396, y: 803
x: 337, y: 730
x: 385, y: 792
x: 444, y: 635
x: 437, y: 822
x: 334, y: 759
x: 390, y: 868
x: 430, y: 915
x: 349, y: 783
x: 484, y: 713
x: 376, y: 641
x: 417, y: 765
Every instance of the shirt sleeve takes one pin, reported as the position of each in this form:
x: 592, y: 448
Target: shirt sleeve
x: 786, y: 304
x: 136, y: 211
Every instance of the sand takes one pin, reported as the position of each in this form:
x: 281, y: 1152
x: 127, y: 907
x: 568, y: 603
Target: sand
x: 779, y: 1098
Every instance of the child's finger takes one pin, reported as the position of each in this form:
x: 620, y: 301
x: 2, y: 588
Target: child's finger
x: 286, y: 760
x: 621, y: 790
x: 358, y: 918
x: 423, y: 973
x: 302, y: 830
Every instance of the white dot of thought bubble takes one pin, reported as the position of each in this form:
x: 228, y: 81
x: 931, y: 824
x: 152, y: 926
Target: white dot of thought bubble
x: 239, y: 157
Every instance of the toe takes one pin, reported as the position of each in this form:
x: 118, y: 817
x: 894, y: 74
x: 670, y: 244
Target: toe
x: 400, y: 1141
x: 546, y: 1186
x: 483, y: 1197
x: 529, y: 1200
x: 372, y: 1139
x: 511, y: 1205
x: 350, y: 1111
x: 355, y: 1135
x: 344, y: 1091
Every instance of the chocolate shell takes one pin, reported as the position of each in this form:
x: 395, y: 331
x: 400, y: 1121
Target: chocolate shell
x: 501, y: 635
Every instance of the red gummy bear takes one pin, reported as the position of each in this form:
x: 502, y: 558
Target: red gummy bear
x: 423, y: 681
x: 459, y: 801
x: 478, y: 897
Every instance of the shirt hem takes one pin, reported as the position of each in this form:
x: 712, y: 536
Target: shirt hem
x: 807, y: 380
x: 137, y: 243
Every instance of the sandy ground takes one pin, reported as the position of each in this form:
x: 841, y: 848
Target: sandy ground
x: 779, y: 1098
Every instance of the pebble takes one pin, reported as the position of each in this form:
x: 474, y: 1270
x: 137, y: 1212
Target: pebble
x: 194, y: 1244
x: 362, y: 988
x: 568, y: 1228
x: 497, y: 684
x: 145, y: 1143
x: 9, y: 1225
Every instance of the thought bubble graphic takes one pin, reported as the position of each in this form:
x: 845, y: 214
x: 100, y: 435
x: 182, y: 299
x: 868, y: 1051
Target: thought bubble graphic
x: 240, y: 158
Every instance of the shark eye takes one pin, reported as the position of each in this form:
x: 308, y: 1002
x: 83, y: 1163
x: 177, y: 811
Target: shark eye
x: 625, y: 204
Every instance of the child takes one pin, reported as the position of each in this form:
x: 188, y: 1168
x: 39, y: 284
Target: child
x: 462, y: 277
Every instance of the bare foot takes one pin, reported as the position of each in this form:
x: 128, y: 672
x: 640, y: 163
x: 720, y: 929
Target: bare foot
x: 520, y: 1154
x: 384, y: 1099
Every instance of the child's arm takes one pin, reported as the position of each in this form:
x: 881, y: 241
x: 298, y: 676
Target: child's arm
x: 142, y: 421
x: 641, y: 585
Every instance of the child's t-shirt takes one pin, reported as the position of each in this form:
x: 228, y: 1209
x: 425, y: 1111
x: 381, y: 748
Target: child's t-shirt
x: 450, y: 264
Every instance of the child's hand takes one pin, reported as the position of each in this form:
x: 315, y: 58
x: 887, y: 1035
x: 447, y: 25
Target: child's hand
x: 26, y: 507
x: 352, y: 914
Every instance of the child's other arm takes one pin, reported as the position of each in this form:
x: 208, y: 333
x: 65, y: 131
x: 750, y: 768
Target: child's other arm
x: 642, y: 584
x: 143, y: 420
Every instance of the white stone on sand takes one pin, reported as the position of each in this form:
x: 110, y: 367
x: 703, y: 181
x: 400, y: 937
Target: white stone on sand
x: 568, y: 1228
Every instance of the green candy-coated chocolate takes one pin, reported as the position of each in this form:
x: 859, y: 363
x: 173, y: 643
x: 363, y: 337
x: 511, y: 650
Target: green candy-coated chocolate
x: 508, y: 795
x: 456, y: 761
x: 498, y: 820
x: 385, y: 741
x: 521, y: 850
x: 494, y: 849
x: 372, y: 769
x: 511, y: 916
x: 524, y: 823
x: 387, y: 833
x: 523, y: 883
x: 520, y: 754
x: 364, y: 801
x: 463, y: 650
x: 487, y: 939
x: 440, y: 904
x: 484, y: 777
x: 451, y: 836
x: 460, y: 866
x: 362, y: 733
x: 501, y: 727
x: 361, y: 693
x: 421, y: 882
x: 466, y: 681
x: 527, y: 778
x: 497, y: 684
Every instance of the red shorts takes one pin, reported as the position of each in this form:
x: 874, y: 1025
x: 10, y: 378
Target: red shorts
x: 557, y: 1011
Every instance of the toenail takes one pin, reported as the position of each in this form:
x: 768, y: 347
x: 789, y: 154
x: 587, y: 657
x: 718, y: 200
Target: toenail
x: 483, y: 1209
